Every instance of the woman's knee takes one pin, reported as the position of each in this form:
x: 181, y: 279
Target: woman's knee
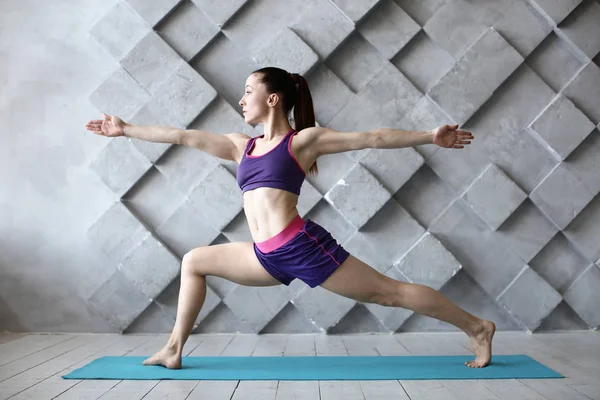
x: 193, y: 260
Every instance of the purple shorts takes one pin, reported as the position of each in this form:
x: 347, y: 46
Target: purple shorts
x: 303, y: 250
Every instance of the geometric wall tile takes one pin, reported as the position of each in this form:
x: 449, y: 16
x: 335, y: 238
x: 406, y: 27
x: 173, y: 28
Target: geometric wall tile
x: 554, y: 62
x: 423, y: 61
x: 188, y: 30
x: 425, y: 196
x: 493, y: 196
x: 151, y: 267
x: 220, y: 117
x: 153, y: 12
x: 527, y: 230
x: 466, y: 28
x: 561, y: 196
x: 584, y: 230
x: 523, y: 27
x: 261, y: 21
x: 428, y: 263
x: 458, y: 168
x: 480, y: 251
x: 185, y: 94
x: 358, y: 196
x: 184, y: 230
x: 323, y: 27
x: 387, y: 236
x: 311, y: 301
x: 582, y: 28
x: 554, y: 10
x: 309, y: 197
x: 562, y: 127
x: 422, y: 10
x: 153, y: 199
x: 287, y: 50
x: 120, y: 165
x: 217, y: 198
x: 388, y: 28
x: 329, y: 94
x: 584, y: 91
x: 119, y: 95
x: 529, y: 299
x: 583, y: 296
x: 118, y: 301
x: 355, y: 10
x: 119, y: 30
x: 226, y: 67
x: 256, y: 306
x: 521, y: 156
x: 117, y: 232
x: 220, y: 11
x: 464, y: 89
x: 356, y: 62
x: 392, y: 94
x: 392, y: 167
x: 151, y: 61
x: 559, y: 263
x: 513, y: 105
x: 185, y: 167
x: 584, y: 161
x: 355, y: 116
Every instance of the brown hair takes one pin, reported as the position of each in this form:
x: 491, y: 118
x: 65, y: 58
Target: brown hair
x: 295, y: 93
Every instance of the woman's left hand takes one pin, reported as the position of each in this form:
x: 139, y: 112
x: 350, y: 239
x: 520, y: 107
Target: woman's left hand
x: 451, y: 137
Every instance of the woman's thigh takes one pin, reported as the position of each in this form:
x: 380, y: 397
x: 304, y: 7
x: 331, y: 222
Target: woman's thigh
x: 359, y: 281
x: 235, y: 262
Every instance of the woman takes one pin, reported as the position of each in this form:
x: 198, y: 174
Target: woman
x: 271, y: 170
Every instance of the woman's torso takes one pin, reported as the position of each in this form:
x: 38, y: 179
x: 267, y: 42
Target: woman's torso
x: 269, y: 210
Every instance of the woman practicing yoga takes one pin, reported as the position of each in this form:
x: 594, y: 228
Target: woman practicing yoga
x: 271, y: 170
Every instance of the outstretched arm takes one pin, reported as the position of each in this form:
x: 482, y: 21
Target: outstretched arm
x: 448, y: 136
x: 225, y: 146
x: 328, y: 141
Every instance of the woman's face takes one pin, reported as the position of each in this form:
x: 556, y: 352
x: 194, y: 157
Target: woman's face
x: 255, y: 101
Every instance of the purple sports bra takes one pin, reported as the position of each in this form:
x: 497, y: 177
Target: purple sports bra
x: 278, y: 168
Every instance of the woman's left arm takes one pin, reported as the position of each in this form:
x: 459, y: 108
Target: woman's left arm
x: 328, y: 141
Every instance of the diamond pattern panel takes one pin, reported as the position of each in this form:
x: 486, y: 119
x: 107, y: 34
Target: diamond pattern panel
x: 358, y: 196
x: 516, y: 212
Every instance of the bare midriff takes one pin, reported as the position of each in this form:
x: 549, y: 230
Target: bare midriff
x: 269, y: 211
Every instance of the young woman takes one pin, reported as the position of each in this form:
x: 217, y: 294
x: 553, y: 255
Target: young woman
x: 271, y: 170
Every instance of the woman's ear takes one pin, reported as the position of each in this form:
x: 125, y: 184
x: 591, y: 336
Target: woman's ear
x: 273, y: 100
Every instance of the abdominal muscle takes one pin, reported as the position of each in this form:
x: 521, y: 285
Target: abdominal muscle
x: 269, y: 211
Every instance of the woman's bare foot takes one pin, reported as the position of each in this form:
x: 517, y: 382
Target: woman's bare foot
x: 481, y: 343
x: 167, y: 357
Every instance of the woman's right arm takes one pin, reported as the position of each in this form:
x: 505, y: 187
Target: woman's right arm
x: 226, y: 146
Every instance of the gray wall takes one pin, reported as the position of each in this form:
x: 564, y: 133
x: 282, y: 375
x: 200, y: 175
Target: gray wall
x: 92, y: 230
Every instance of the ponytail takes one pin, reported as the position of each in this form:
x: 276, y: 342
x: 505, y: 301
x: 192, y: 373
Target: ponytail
x: 304, y: 112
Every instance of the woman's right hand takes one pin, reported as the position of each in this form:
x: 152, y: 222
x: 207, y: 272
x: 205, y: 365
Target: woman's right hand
x: 110, y: 126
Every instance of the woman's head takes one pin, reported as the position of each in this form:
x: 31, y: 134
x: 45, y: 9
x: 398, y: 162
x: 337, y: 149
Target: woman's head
x: 274, y: 90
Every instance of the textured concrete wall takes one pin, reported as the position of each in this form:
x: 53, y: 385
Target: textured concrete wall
x: 93, y: 230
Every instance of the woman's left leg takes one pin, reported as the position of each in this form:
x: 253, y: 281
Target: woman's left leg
x: 356, y: 280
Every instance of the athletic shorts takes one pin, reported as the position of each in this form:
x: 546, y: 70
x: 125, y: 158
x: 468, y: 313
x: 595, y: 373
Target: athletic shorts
x: 303, y: 250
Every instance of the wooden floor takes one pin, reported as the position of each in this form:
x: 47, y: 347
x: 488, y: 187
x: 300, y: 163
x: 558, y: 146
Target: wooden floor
x: 31, y: 367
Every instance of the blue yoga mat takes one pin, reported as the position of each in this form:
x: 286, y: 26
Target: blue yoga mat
x: 316, y: 368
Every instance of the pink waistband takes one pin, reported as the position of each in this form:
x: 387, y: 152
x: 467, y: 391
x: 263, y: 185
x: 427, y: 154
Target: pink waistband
x: 282, y: 237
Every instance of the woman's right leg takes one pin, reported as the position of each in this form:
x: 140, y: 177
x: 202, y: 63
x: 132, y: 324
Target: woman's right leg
x: 235, y: 262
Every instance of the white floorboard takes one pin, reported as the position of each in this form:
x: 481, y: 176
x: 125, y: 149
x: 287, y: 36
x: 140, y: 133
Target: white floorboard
x: 31, y: 366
